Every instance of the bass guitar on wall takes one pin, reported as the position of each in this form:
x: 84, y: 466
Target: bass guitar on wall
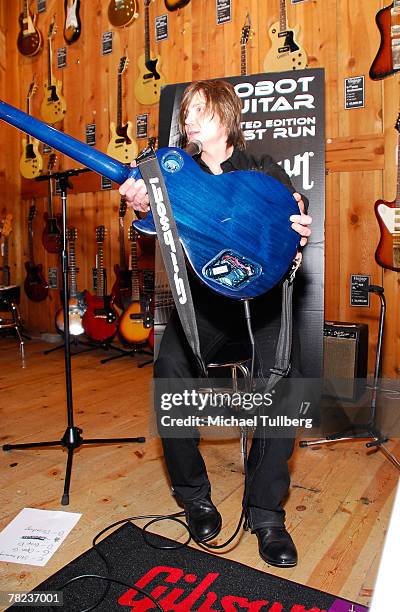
x: 35, y: 284
x: 387, y: 253
x: 100, y: 318
x: 76, y: 303
x: 31, y: 162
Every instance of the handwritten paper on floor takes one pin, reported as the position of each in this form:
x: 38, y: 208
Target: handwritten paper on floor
x: 33, y: 536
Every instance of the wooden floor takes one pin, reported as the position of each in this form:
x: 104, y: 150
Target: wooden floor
x: 337, y: 512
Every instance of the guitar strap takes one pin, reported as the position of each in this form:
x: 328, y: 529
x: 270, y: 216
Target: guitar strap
x: 171, y: 249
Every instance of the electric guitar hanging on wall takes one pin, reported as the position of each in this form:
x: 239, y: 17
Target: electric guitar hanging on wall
x: 53, y: 107
x: 122, y: 145
x: 174, y: 5
x: 285, y: 53
x: 387, y: 60
x: 72, y: 24
x: 99, y: 320
x: 121, y: 290
x: 35, y: 284
x: 122, y: 12
x: 76, y: 303
x: 244, y: 39
x: 31, y: 162
x: 30, y: 39
x: 387, y: 253
x: 148, y: 84
x: 137, y: 321
x: 51, y: 235
x: 5, y: 233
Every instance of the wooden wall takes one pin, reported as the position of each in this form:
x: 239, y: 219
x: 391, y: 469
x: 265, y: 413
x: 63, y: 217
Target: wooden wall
x: 339, y: 35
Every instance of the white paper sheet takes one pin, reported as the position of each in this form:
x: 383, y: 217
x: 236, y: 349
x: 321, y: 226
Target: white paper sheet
x: 33, y: 536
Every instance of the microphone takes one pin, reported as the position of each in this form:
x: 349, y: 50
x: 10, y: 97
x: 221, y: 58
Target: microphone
x: 194, y: 147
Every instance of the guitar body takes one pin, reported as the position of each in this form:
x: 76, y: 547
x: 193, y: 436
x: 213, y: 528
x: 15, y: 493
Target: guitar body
x: 51, y: 235
x: 31, y: 162
x: 285, y: 53
x: 54, y: 106
x: 121, y: 289
x: 387, y: 253
x: 239, y: 241
x: 131, y: 325
x: 72, y: 25
x: 121, y: 14
x: 382, y: 66
x: 76, y: 310
x: 174, y: 5
x: 122, y: 145
x: 99, y: 320
x: 35, y: 284
x: 148, y: 84
x: 30, y: 39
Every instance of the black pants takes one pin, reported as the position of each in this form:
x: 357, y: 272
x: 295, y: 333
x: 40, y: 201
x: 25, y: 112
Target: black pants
x: 268, y: 472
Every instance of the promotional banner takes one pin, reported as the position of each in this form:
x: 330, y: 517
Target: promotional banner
x: 283, y: 116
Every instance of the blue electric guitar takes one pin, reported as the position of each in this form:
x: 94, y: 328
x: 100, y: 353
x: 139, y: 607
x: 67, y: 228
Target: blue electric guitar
x: 234, y: 227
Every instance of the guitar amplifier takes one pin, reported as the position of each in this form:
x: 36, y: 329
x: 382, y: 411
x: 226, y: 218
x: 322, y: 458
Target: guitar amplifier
x: 345, y: 359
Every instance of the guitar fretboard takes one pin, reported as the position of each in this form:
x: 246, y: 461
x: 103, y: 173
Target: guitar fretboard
x: 72, y: 269
x: 146, y: 32
x: 6, y: 270
x: 100, y: 266
x: 282, y: 16
x: 243, y: 59
x: 135, y: 271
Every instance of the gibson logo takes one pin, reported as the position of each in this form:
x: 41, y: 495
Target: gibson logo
x: 160, y: 580
x: 168, y: 238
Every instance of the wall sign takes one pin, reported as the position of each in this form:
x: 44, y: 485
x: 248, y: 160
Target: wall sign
x: 107, y: 43
x: 105, y: 184
x: 354, y: 92
x: 359, y: 294
x: 90, y: 134
x: 161, y: 27
x: 41, y: 6
x: 142, y: 125
x: 223, y: 11
x: 61, y: 57
x: 52, y: 278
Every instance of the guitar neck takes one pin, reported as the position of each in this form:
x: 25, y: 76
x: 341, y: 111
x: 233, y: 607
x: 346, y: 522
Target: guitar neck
x: 72, y: 269
x: 121, y: 239
x: 49, y: 61
x: 119, y: 101
x: 5, y: 267
x: 49, y: 199
x: 100, y: 267
x: 243, y: 59
x: 30, y: 240
x: 135, y: 272
x: 282, y: 16
x: 28, y: 110
x: 146, y: 33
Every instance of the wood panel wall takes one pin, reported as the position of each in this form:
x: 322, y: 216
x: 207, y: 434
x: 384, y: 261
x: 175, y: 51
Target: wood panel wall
x: 339, y: 35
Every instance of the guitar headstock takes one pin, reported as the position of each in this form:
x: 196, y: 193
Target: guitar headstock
x: 32, y: 213
x: 52, y: 162
x: 100, y: 234
x: 132, y: 234
x: 6, y: 226
x: 123, y: 64
x: 31, y: 90
x: 72, y: 234
x: 122, y: 208
x: 52, y: 29
x: 246, y: 31
x: 152, y: 142
x: 397, y: 125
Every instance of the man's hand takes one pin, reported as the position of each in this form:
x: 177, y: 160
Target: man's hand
x: 301, y: 222
x: 135, y: 193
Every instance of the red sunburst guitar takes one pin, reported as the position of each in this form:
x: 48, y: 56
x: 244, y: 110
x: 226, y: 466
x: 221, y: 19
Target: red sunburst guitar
x: 387, y: 60
x: 387, y: 253
x: 136, y: 322
x: 100, y: 318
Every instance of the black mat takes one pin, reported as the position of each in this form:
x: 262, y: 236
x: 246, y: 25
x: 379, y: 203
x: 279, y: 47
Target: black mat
x: 181, y: 580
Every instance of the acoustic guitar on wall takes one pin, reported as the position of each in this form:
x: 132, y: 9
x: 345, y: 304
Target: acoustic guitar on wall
x: 99, y: 320
x: 72, y: 24
x: 148, y: 84
x: 285, y: 53
x: 387, y: 60
x: 35, y: 284
x: 53, y: 107
x: 51, y: 235
x: 137, y: 321
x: 5, y: 233
x: 122, y: 13
x: 387, y: 253
x: 30, y: 39
x: 31, y: 162
x: 122, y: 145
x: 76, y: 302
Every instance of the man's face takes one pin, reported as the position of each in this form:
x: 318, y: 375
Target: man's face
x: 201, y: 124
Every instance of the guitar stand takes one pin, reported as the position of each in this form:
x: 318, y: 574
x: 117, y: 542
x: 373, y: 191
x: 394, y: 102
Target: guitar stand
x: 72, y: 438
x: 130, y: 353
x: 73, y: 341
x: 369, y: 430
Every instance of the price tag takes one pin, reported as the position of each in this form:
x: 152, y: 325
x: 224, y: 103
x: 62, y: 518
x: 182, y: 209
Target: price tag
x: 161, y: 27
x: 359, y: 294
x: 90, y: 134
x: 61, y: 57
x: 142, y: 124
x: 107, y: 43
x: 224, y: 11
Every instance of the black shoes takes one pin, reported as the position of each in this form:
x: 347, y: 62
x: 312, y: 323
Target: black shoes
x: 276, y: 547
x: 203, y: 519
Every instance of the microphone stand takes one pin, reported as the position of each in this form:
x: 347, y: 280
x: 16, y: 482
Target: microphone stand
x: 72, y: 438
x: 370, y: 429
